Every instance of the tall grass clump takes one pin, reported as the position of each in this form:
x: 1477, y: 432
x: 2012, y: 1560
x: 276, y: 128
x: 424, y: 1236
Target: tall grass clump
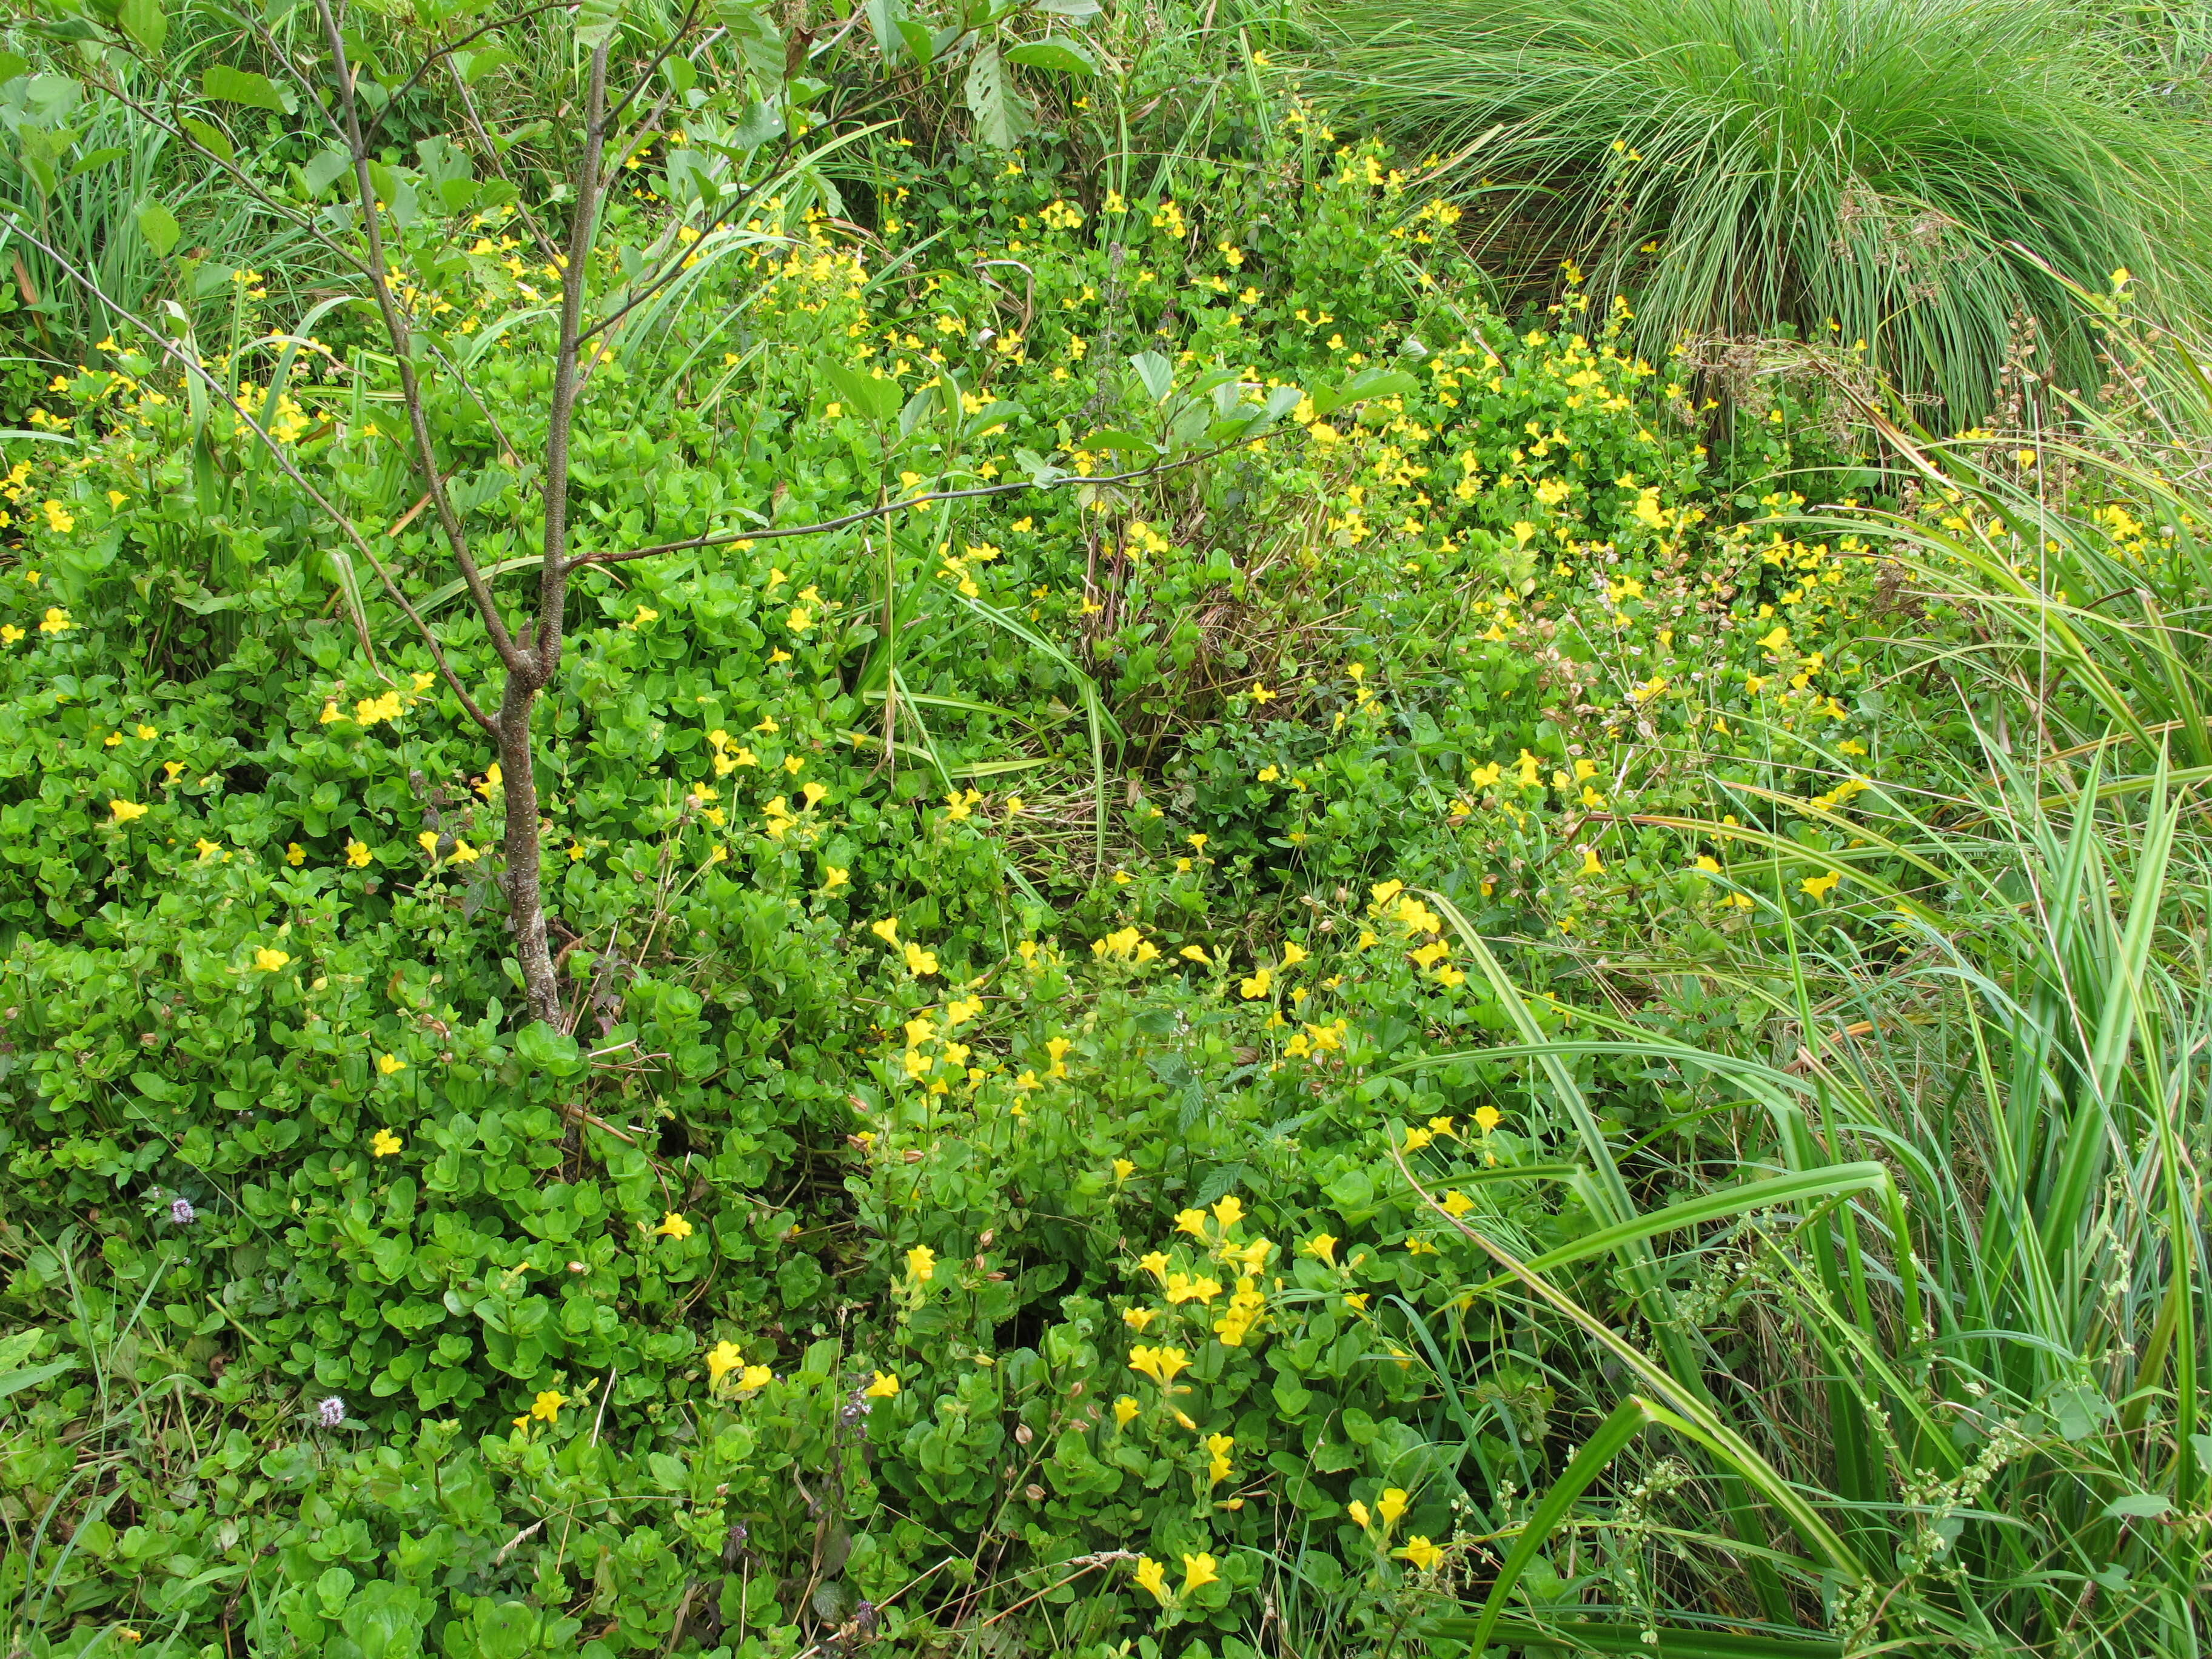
x: 1891, y: 172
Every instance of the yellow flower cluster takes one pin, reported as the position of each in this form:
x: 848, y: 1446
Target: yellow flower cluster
x: 1183, y: 1282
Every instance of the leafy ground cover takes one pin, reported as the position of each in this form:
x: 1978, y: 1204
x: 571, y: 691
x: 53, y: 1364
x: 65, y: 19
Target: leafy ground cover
x: 1385, y: 979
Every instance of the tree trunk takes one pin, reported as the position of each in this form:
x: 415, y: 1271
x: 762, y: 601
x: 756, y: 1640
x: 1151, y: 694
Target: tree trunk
x: 526, y: 903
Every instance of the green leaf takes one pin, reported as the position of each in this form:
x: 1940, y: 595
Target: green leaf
x: 211, y: 138
x: 1157, y: 373
x: 325, y: 168
x: 2137, y: 1505
x: 234, y: 86
x: 13, y: 67
x: 595, y: 22
x: 159, y: 227
x: 144, y: 22
x: 1054, y: 51
x: 1001, y: 115
x: 873, y: 398
x: 1113, y: 437
x: 885, y: 17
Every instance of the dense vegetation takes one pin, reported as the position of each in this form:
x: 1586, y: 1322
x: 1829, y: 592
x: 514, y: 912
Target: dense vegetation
x: 1000, y: 832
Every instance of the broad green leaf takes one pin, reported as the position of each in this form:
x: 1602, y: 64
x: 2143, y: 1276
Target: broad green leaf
x: 2137, y: 1505
x: 234, y: 86
x: 1054, y: 51
x: 158, y: 226
x: 323, y: 169
x: 1002, y: 117
x: 1113, y: 437
x: 1157, y: 373
x: 873, y: 398
x: 144, y: 22
x: 595, y: 22
x: 885, y: 17
x: 211, y: 138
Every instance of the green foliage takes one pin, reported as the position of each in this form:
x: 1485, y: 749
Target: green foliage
x: 1422, y: 1019
x: 1902, y: 175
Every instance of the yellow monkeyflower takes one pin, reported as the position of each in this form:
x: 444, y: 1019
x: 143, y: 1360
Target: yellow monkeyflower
x: 1592, y: 864
x: 1123, y: 1168
x: 1257, y: 986
x: 1192, y: 1222
x: 390, y: 1064
x: 920, y: 962
x: 269, y: 961
x: 885, y: 930
x: 721, y: 1360
x: 1818, y: 886
x: 921, y: 1263
x: 383, y: 1144
x: 1358, y: 1511
x: 833, y: 878
x: 1124, y: 1409
x: 1390, y: 1506
x: 1321, y: 1245
x: 755, y: 1377
x: 1161, y: 1364
x: 547, y: 1405
x: 1229, y: 1211
x: 1457, y: 1203
x: 673, y: 1225
x: 1151, y: 1576
x: 295, y: 854
x: 56, y: 621
x: 1293, y: 955
x: 122, y: 811
x: 1487, y: 1118
x: 885, y: 1385
x: 1422, y: 1554
x: 1198, y: 1569
x: 356, y: 855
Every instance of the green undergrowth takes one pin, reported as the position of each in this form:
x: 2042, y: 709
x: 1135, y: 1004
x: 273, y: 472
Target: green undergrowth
x: 1022, y: 953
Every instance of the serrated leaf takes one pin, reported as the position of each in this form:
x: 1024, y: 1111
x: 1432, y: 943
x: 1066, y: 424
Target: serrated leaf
x: 211, y: 138
x: 159, y: 227
x: 1054, y: 51
x: 227, y: 85
x: 1156, y: 373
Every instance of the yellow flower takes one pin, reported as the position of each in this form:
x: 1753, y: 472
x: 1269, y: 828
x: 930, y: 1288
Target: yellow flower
x: 1457, y: 1203
x: 674, y: 1226
x: 122, y: 811
x: 1123, y: 1168
x: 885, y: 1385
x: 721, y: 1360
x: 1358, y: 1511
x: 1198, y: 1570
x: 1161, y: 1364
x: 920, y: 962
x: 390, y: 1064
x: 1124, y: 1409
x: 269, y: 961
x: 1818, y: 886
x: 547, y: 1404
x: 1417, y: 1139
x: 1422, y: 1554
x: 58, y: 517
x: 1487, y: 1118
x: 1592, y: 864
x: 885, y: 930
x: 1151, y: 1576
x: 1229, y: 1211
x: 1257, y: 986
x: 383, y: 1144
x: 1321, y: 1245
x: 57, y: 621
x: 755, y: 1377
x: 833, y: 878
x: 921, y: 1263
x: 1390, y: 1506
x: 295, y: 854
x: 356, y: 855
x: 1194, y: 953
x: 799, y: 621
x: 1293, y: 955
x: 1192, y: 1222
x: 1138, y: 1318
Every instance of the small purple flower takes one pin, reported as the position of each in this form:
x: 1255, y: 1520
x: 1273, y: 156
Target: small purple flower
x: 181, y: 1212
x: 331, y: 1412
